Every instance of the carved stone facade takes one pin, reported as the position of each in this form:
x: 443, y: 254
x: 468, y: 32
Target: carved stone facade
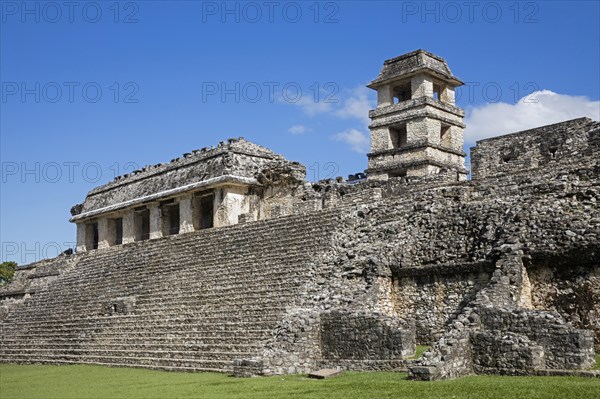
x: 210, y: 187
x: 498, y: 274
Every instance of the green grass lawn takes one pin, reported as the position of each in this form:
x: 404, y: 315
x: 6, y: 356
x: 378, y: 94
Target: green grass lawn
x: 79, y: 381
x: 597, y: 366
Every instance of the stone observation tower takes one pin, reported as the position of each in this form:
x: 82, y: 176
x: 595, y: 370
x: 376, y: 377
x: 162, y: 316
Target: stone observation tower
x: 416, y: 129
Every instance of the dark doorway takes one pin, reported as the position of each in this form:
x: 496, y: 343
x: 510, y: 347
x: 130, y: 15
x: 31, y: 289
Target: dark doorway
x: 95, y: 235
x: 119, y: 231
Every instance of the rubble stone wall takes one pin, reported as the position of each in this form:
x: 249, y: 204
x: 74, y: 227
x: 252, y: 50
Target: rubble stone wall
x: 433, y: 299
x: 539, y: 148
x: 360, y: 336
x: 562, y: 346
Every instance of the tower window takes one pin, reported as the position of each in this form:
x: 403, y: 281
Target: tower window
x: 398, y: 136
x: 445, y: 137
x: 402, y: 92
x: 438, y: 90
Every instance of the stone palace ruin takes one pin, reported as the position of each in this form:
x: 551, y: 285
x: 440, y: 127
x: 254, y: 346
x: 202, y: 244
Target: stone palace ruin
x: 226, y: 259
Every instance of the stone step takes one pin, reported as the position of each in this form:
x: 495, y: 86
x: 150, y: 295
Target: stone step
x: 167, y: 353
x: 157, y: 316
x: 91, y: 345
x: 146, y: 330
x: 150, y: 325
x: 16, y: 360
x: 368, y: 365
x: 121, y: 360
x: 282, y: 281
x: 241, y: 289
x: 141, y: 331
x: 145, y: 319
x: 230, y: 244
x: 209, y: 267
x: 135, y: 324
x: 213, y: 302
x: 247, y: 340
x: 249, y: 296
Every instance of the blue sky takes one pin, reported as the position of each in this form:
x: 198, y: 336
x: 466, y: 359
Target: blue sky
x: 92, y: 89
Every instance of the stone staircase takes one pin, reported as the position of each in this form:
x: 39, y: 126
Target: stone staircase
x: 192, y: 302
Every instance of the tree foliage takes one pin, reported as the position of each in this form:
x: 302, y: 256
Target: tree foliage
x: 7, y: 272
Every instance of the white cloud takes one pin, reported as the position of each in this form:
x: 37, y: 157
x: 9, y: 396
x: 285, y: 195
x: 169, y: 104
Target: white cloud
x: 357, y: 106
x: 298, y: 129
x: 311, y: 107
x: 537, y: 109
x: 351, y: 104
x: 345, y: 104
x: 358, y: 141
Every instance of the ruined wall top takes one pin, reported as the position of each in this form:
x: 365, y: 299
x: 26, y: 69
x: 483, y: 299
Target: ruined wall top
x: 574, y: 144
x: 232, y: 145
x: 412, y: 63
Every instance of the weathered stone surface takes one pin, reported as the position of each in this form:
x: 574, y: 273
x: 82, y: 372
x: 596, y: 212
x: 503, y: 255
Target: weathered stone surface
x: 499, y: 274
x: 324, y: 373
x: 416, y: 130
x: 247, y: 367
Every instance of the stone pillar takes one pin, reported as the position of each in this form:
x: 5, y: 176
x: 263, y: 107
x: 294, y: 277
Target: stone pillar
x: 81, y: 237
x: 422, y: 86
x: 155, y: 221
x: 230, y: 202
x: 449, y: 96
x: 128, y: 227
x: 457, y: 139
x: 380, y: 139
x: 384, y: 96
x: 186, y: 218
x: 103, y: 233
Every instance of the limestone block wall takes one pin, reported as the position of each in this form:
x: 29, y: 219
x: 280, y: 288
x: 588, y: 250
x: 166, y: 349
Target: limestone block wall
x: 572, y: 290
x: 544, y: 147
x: 294, y: 346
x: 519, y: 353
x: 440, y: 242
x: 562, y: 346
x: 432, y: 299
x: 496, y: 334
x: 364, y: 337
